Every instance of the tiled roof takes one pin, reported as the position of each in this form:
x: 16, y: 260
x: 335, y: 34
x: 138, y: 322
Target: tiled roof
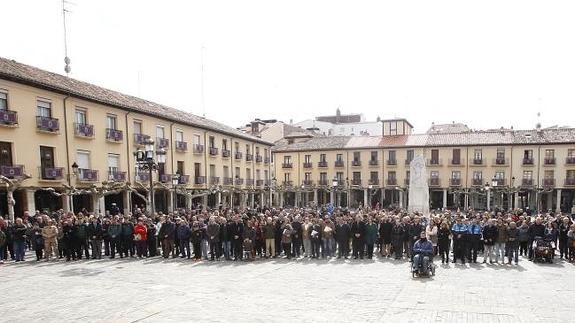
x: 475, y: 138
x: 21, y: 73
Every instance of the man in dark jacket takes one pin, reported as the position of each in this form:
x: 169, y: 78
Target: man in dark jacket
x: 358, y: 236
x: 297, y: 239
x: 114, y: 232
x: 127, y: 238
x: 536, y: 229
x: 81, y: 239
x: 168, y: 235
x: 489, y: 236
x: 95, y: 234
x: 184, y: 233
x: 19, y: 238
x: 342, y: 235
x: 414, y: 230
x: 397, y: 236
x: 236, y: 231
x: 315, y: 236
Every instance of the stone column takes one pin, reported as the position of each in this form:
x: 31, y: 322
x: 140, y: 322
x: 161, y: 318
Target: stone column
x: 30, y: 203
x: 549, y: 201
x: 205, y: 202
x: 488, y: 200
x: 558, y: 205
x: 98, y: 205
x: 315, y: 196
x: 401, y: 199
x: 332, y: 197
x: 170, y: 201
x: 516, y: 200
x: 365, y: 197
x: 188, y: 202
x: 444, y: 198
x: 127, y: 201
x: 252, y: 200
x: 66, y: 201
x: 466, y: 203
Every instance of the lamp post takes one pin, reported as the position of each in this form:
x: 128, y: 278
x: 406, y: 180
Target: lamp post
x: 145, y: 162
x: 175, y: 182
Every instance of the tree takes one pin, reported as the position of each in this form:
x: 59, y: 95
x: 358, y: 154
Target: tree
x: 12, y: 184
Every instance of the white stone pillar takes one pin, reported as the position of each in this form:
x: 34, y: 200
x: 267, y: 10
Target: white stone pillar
x: 401, y: 199
x: 127, y: 202
x: 516, y: 200
x: 558, y: 205
x: 66, y: 202
x: 332, y: 197
x: 30, y: 203
x: 170, y: 201
x: 365, y: 197
x: 315, y: 196
x: 488, y: 200
x: 466, y: 201
x: 205, y: 202
x: 444, y: 198
x: 252, y: 200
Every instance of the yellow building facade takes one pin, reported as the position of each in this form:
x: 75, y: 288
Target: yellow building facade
x: 76, y: 143
x: 482, y: 170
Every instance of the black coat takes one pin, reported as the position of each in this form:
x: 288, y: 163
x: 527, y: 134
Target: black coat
x: 358, y: 228
x: 536, y: 230
x: 385, y: 229
x: 95, y: 231
x: 342, y: 232
x: 168, y: 231
x: 490, y: 233
x: 236, y: 229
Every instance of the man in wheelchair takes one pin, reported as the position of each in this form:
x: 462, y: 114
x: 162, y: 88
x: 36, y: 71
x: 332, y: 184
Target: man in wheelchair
x: 423, y: 254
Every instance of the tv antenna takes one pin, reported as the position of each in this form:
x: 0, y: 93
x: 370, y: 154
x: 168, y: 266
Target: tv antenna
x: 67, y: 61
x: 202, y: 85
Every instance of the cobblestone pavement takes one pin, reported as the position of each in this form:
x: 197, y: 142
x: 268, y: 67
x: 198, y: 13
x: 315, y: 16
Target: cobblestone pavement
x: 175, y: 290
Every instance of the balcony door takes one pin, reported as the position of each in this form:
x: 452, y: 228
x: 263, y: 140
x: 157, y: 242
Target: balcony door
x: 5, y: 154
x: 46, y: 159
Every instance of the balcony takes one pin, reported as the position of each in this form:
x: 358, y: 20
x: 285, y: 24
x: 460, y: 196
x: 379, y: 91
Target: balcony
x: 181, y: 146
x: 356, y: 181
x: 500, y: 161
x: 162, y: 143
x: 434, y: 182
x: 83, y: 130
x: 200, y: 180
x: 198, y: 149
x: 266, y: 160
x: 226, y: 153
x: 477, y: 182
x: 228, y: 181
x: 339, y: 163
x: 373, y: 162
x: 238, y: 156
x: 373, y: 181
x: 549, y: 161
x: 47, y: 124
x: 8, y: 117
x: 500, y: 182
x: 249, y: 157
x: 391, y: 182
x: 287, y: 183
x: 455, y: 162
x: 213, y: 151
x: 322, y: 164
x: 434, y: 162
x: 259, y: 182
x: 249, y: 182
x: 184, y: 179
x: 259, y: 158
x: 356, y: 163
x: 570, y: 160
x: 307, y: 165
x: 140, y: 139
x: 51, y: 173
x: 548, y: 182
x: 239, y: 181
x: 165, y: 178
x: 117, y: 176
x: 391, y: 162
x: 477, y: 162
x: 114, y: 135
x: 142, y: 177
x: 570, y: 182
x: 455, y: 182
x: 87, y: 175
x: 527, y: 161
x: 527, y: 182
x: 287, y: 165
x: 214, y: 180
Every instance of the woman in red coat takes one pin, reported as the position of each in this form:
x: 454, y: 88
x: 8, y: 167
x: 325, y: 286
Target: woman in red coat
x: 140, y: 237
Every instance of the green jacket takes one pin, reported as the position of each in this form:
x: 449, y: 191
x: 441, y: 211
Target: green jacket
x: 370, y: 233
x: 114, y: 230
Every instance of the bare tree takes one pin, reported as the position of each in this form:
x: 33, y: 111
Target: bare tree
x: 12, y: 184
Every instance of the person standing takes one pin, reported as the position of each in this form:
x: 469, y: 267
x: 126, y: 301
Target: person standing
x: 141, y: 238
x: 342, y: 234
x: 184, y: 233
x: 444, y: 241
x: 563, y: 244
x: 269, y: 234
x: 297, y: 239
x: 19, y: 239
x: 370, y: 236
x: 459, y: 230
x: 168, y: 235
x: 512, y: 243
x: 114, y: 232
x: 236, y: 232
x: 50, y: 235
x: 315, y: 235
x: 287, y: 239
x: 500, y: 251
x: 96, y: 234
x: 358, y: 235
x: 385, y: 229
x: 68, y: 240
x: 213, y: 233
x: 474, y: 240
x: 37, y: 240
x: 489, y: 235
x: 397, y: 235
x: 151, y: 236
x: 127, y: 238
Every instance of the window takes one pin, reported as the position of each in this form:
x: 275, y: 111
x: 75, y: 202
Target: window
x: 435, y: 156
x: 238, y: 173
x: 373, y: 176
x: 248, y: 173
x: 44, y: 108
x: 500, y: 176
x: 456, y: 174
x: 322, y: 158
x: 226, y: 172
x: 307, y: 159
x: 391, y: 175
x: 527, y: 175
x: 528, y: 154
x: 287, y: 178
x: 224, y: 144
x: 477, y: 154
x: 373, y: 156
x: 456, y: 156
x: 111, y: 122
x: 180, y: 167
x: 46, y: 159
x: 570, y: 175
x: 549, y: 153
x: 434, y: 174
x: 549, y: 174
x: 160, y: 133
x: 356, y: 156
x: 179, y: 135
x: 237, y: 147
x: 83, y: 159
x: 356, y: 176
x: 257, y: 151
x: 266, y: 177
x: 478, y: 176
x: 80, y: 116
x: 500, y: 153
x: 265, y: 152
x: 213, y: 170
x: 287, y: 160
x: 410, y: 154
x: 212, y: 141
x: 391, y: 155
x: 570, y: 153
x: 393, y: 129
x: 113, y: 163
x: 138, y: 127
x: 3, y: 101
x: 339, y: 177
x: 247, y: 149
x: 307, y: 177
x: 258, y: 174
x: 323, y: 178
x: 339, y: 158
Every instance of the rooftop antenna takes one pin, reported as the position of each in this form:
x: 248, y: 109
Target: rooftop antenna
x: 202, y: 94
x: 67, y: 68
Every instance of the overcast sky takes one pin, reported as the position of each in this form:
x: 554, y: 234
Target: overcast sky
x: 483, y: 63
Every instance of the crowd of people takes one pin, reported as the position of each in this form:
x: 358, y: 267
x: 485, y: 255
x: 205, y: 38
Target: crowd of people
x: 318, y: 233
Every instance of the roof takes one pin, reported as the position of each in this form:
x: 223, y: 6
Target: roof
x: 25, y: 74
x: 473, y: 138
x: 448, y: 128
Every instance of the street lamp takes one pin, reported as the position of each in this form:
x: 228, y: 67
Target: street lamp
x: 145, y: 162
x: 334, y: 184
x: 175, y: 182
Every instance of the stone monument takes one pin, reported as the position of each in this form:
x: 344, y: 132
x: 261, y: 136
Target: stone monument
x: 418, y: 187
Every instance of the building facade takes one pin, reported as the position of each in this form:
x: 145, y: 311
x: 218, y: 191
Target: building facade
x: 482, y: 170
x: 69, y: 144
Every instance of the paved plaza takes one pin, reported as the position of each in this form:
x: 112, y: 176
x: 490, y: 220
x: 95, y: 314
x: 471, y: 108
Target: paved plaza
x: 304, y: 290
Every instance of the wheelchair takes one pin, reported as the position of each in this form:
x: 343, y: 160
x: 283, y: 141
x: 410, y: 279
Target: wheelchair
x: 423, y: 272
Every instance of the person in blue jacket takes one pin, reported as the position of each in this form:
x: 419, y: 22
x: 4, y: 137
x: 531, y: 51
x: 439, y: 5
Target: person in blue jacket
x: 422, y: 253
